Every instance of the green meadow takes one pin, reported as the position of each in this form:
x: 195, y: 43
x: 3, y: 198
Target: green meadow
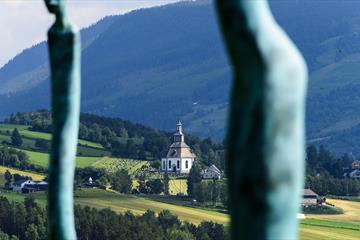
x: 138, y: 205
x: 42, y: 159
x: 30, y: 136
x: 315, y: 227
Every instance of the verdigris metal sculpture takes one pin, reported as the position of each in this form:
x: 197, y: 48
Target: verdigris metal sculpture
x: 266, y: 125
x: 64, y: 50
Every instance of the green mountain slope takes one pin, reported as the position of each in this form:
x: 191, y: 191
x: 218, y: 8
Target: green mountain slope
x: 156, y: 65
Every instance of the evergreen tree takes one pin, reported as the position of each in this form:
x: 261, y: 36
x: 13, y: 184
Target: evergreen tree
x: 312, y: 155
x: 193, y: 178
x: 16, y: 139
x: 166, y: 183
x: 155, y: 186
x: 32, y: 233
x: 8, y: 177
x: 176, y: 234
x: 121, y: 181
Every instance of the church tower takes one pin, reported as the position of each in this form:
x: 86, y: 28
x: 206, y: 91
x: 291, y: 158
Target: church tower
x: 179, y: 136
x: 180, y: 157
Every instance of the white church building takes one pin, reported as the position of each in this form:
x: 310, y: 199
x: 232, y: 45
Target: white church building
x: 180, y: 157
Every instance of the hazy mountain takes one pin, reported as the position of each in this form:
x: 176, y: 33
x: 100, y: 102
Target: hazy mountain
x: 156, y: 65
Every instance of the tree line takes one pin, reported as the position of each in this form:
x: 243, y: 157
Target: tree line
x: 28, y: 221
x: 325, y: 173
x: 10, y: 178
x: 14, y: 158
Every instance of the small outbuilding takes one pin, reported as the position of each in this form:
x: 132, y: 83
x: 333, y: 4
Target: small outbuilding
x: 212, y: 172
x: 310, y: 197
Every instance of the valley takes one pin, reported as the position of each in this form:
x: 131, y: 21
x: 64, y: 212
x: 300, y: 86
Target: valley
x: 314, y: 227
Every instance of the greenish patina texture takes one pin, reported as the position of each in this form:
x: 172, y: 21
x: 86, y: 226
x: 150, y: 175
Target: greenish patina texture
x: 266, y: 122
x: 64, y: 50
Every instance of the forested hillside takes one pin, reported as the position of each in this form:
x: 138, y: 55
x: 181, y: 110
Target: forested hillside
x: 125, y: 139
x: 156, y: 65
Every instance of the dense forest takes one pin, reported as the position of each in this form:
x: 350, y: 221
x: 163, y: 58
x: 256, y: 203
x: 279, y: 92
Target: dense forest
x: 125, y: 139
x: 14, y: 158
x: 28, y: 221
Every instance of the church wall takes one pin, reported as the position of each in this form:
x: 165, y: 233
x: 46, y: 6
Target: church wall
x: 182, y: 165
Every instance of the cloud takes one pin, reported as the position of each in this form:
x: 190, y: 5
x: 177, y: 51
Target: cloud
x: 24, y: 23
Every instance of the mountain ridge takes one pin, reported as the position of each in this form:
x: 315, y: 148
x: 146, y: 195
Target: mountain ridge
x: 153, y: 66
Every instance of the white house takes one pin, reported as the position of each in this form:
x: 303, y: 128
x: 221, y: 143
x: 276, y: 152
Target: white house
x: 212, y: 172
x: 180, y: 157
x: 27, y: 186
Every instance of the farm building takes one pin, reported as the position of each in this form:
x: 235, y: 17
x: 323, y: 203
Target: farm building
x: 211, y: 172
x: 355, y: 174
x: 355, y: 164
x: 19, y: 185
x: 310, y: 197
x: 180, y: 157
x: 27, y: 186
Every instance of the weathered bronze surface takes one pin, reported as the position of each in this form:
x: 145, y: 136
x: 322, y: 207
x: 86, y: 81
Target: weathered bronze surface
x: 64, y: 50
x: 266, y: 122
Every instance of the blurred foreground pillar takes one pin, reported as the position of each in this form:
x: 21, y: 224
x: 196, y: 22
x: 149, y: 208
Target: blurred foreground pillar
x: 266, y: 123
x: 64, y: 50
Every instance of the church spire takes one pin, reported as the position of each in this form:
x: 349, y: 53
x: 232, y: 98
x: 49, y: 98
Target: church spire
x: 179, y: 136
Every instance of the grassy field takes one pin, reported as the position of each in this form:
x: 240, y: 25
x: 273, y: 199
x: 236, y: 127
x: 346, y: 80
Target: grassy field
x: 8, y: 128
x: 138, y: 205
x: 42, y: 159
x: 342, y: 226
x: 315, y: 227
x: 351, y: 212
x: 47, y: 136
x: 320, y: 229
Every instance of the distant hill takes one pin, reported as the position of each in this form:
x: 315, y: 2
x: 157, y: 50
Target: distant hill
x: 156, y: 65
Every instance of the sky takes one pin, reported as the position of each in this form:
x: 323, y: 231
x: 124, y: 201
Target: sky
x: 24, y: 23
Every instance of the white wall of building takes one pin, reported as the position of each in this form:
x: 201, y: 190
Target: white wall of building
x: 182, y: 167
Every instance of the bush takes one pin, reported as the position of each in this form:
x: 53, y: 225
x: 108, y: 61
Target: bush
x: 321, y: 209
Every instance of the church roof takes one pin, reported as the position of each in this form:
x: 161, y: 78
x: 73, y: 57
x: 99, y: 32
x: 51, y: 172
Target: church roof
x: 180, y: 150
x: 214, y: 169
x: 309, y: 193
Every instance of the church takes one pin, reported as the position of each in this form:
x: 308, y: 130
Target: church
x: 180, y: 157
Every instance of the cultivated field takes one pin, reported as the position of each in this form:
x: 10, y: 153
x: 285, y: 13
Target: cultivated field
x: 316, y: 227
x: 115, y: 164
x: 34, y: 176
x: 342, y: 226
x: 177, y: 186
x: 42, y: 159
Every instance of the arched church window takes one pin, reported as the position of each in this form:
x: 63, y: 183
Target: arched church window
x: 178, y: 163
x: 164, y: 164
x: 187, y: 164
x: 169, y: 164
